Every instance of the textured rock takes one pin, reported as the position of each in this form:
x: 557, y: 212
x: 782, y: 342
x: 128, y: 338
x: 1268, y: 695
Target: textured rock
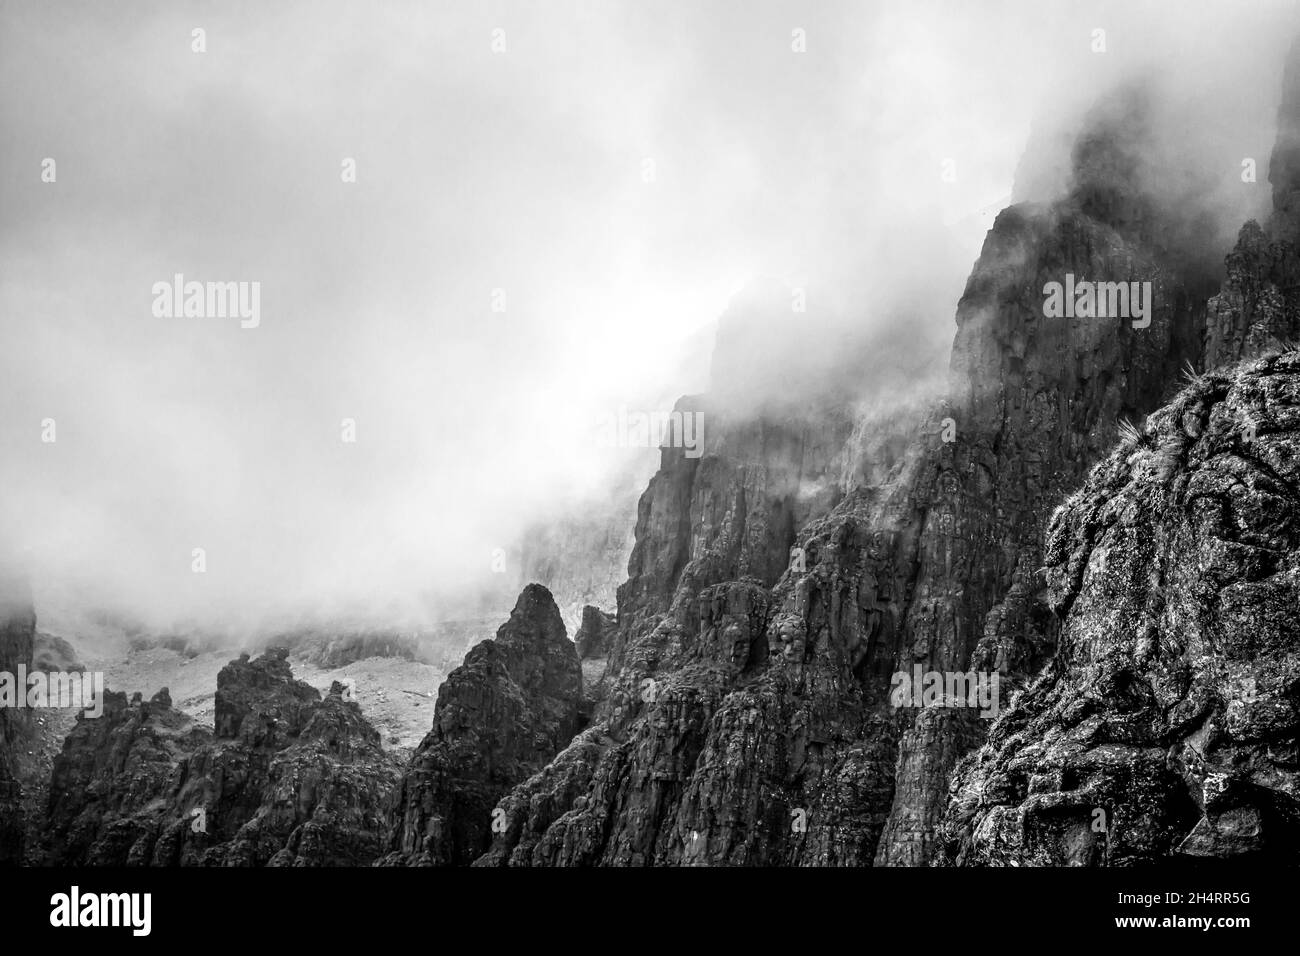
x: 1167, y: 724
x: 259, y: 702
x: 747, y: 718
x: 1035, y: 400
x: 288, y: 778
x: 595, y: 632
x: 112, y: 786
x: 500, y: 716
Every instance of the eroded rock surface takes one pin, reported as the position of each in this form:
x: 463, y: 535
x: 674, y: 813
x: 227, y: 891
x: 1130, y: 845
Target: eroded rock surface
x: 288, y: 778
x: 594, y: 633
x: 500, y: 716
x: 1168, y: 724
x: 747, y: 719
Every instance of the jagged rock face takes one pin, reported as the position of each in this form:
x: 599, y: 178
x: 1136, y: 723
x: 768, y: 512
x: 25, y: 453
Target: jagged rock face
x: 786, y: 748
x: 322, y: 800
x: 500, y: 716
x: 1167, y: 724
x: 641, y: 760
x: 1258, y: 303
x: 17, y: 635
x: 1100, y: 373
x: 712, y: 534
x: 722, y: 730
x: 259, y: 702
x: 288, y: 778
x: 111, y: 778
x: 731, y: 513
x: 595, y: 633
x: 1034, y: 399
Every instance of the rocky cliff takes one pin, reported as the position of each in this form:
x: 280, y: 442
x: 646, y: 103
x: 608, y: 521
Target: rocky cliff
x: 288, y: 778
x: 594, y: 633
x: 1167, y: 723
x: 499, y: 717
x: 827, y: 541
x: 747, y: 718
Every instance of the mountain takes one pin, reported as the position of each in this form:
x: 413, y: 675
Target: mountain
x: 1105, y: 551
x: 748, y: 715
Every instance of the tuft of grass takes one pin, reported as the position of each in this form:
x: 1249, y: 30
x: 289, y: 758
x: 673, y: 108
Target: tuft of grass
x: 1129, y: 434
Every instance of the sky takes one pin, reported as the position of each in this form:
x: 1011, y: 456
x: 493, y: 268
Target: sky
x: 553, y: 204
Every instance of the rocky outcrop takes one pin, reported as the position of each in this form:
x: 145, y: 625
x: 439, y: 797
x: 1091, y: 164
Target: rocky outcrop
x: 288, y: 779
x: 259, y: 703
x: 113, y: 785
x: 500, y: 716
x: 594, y: 633
x: 719, y: 735
x: 1167, y: 724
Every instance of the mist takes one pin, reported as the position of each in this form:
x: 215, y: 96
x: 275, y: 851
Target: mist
x: 537, y: 235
